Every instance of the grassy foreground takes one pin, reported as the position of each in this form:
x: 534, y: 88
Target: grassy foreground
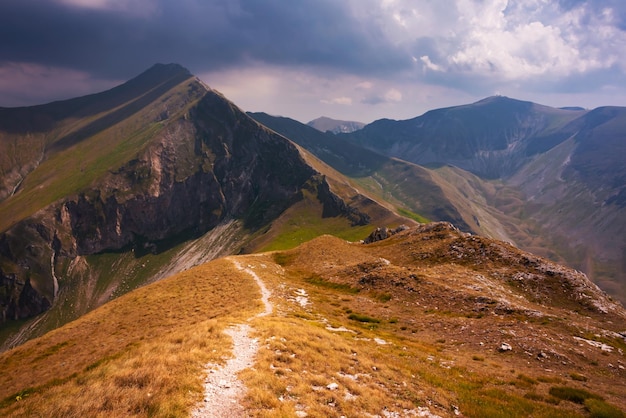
x: 357, y: 330
x: 140, y: 355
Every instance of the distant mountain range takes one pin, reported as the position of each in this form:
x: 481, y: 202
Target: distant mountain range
x: 326, y: 124
x: 553, y: 181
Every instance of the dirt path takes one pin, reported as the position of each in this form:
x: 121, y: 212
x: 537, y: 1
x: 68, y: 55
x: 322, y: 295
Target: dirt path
x: 222, y: 389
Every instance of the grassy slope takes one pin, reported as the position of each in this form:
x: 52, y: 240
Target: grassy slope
x: 305, y: 221
x: 138, y: 355
x: 569, y: 218
x: 73, y: 169
x: 394, y: 335
x: 401, y: 187
x: 564, y: 228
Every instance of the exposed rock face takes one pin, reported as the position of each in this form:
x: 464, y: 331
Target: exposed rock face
x: 234, y: 171
x: 334, y: 206
x: 20, y: 300
x: 208, y: 165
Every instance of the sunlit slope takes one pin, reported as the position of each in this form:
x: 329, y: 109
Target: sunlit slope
x: 409, y: 189
x: 53, y: 150
x: 139, y: 355
x: 411, y: 324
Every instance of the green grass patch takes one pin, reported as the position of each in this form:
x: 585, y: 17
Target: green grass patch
x: 578, y: 377
x: 498, y: 403
x: 572, y: 394
x: 301, y: 229
x: 412, y: 215
x: 382, y: 297
x: 283, y: 259
x: 527, y: 379
x: 363, y: 318
x: 321, y: 282
x: 549, y: 379
x: 599, y: 409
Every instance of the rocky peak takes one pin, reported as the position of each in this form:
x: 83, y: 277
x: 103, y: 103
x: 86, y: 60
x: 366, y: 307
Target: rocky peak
x: 198, y: 162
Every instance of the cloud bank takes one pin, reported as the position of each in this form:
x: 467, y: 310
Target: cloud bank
x: 367, y: 57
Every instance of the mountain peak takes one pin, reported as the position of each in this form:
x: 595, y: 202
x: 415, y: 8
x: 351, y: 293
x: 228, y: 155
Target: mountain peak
x: 325, y: 124
x: 497, y: 99
x: 165, y: 70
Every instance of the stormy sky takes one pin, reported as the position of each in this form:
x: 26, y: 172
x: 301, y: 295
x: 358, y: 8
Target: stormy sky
x: 349, y: 59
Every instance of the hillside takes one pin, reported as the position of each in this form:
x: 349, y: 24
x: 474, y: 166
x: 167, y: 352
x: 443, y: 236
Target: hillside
x: 111, y: 191
x: 430, y: 322
x: 550, y: 180
x: 413, y: 190
x: 492, y: 138
x: 444, y: 193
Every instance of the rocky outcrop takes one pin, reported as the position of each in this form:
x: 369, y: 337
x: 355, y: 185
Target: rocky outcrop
x: 382, y: 233
x: 18, y: 299
x: 335, y: 206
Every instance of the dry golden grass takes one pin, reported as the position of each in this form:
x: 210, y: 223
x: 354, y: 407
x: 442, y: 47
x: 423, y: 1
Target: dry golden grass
x: 140, y: 355
x: 300, y: 356
x: 430, y: 341
x: 443, y: 319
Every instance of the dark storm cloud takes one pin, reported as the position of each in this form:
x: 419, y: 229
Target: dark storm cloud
x: 202, y: 35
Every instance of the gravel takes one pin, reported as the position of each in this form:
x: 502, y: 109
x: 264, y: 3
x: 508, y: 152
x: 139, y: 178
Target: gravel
x: 222, y: 389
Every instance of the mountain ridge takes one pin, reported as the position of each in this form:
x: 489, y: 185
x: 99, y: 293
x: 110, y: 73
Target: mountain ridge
x: 124, y: 235
x: 491, y: 137
x: 143, y: 182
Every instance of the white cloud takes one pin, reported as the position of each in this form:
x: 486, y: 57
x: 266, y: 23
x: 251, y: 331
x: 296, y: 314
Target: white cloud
x: 347, y: 101
x: 505, y: 40
x: 503, y: 43
x: 144, y: 8
x: 428, y: 64
x: 393, y: 95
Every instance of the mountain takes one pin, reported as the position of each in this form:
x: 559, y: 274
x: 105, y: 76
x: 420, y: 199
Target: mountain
x: 429, y: 322
x: 553, y: 179
x: 326, y: 124
x: 491, y: 138
x: 488, y: 207
x: 162, y: 251
x: 421, y: 198
x: 107, y: 192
